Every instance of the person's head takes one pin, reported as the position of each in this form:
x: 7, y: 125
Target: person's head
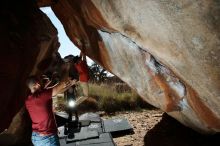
x: 76, y: 59
x: 68, y: 59
x: 33, y: 84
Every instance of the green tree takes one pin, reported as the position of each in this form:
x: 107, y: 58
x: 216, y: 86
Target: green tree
x: 97, y: 73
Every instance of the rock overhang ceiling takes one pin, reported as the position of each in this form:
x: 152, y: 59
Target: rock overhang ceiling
x: 167, y: 51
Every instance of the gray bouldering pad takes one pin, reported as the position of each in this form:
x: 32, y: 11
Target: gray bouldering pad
x: 83, y: 135
x: 117, y: 125
x: 103, y: 138
x: 95, y: 132
x: 93, y: 117
x: 95, y: 127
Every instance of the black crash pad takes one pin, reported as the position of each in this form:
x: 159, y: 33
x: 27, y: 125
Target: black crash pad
x: 104, y: 139
x: 97, y: 132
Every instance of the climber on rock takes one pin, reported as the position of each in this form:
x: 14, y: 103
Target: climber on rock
x: 39, y: 107
x: 78, y: 64
x: 81, y: 66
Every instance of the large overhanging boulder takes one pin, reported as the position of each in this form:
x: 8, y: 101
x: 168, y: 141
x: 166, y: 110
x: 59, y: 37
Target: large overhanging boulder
x: 168, y: 51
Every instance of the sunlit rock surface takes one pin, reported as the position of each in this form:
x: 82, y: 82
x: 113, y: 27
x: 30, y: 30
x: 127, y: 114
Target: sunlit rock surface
x: 167, y: 50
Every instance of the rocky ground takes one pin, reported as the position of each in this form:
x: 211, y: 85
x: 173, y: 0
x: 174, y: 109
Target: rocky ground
x: 141, y: 121
x: 155, y: 128
x: 152, y: 127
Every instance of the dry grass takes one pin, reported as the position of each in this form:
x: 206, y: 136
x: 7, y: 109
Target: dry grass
x: 111, y: 99
x: 108, y: 98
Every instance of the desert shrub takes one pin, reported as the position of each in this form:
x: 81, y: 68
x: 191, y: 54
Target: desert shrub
x: 121, y: 87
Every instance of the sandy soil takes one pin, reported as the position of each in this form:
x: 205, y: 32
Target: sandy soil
x: 155, y: 128
x: 141, y: 121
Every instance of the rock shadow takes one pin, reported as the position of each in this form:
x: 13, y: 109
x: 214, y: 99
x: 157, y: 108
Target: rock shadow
x: 169, y: 132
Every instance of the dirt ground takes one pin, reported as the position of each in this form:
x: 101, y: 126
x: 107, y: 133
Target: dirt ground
x: 155, y: 128
x: 152, y: 127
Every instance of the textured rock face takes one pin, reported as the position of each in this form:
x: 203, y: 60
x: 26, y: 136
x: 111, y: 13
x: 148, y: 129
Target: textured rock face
x: 27, y: 36
x: 167, y: 50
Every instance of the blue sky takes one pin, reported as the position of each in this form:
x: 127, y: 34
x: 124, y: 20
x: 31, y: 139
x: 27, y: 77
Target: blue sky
x: 66, y: 46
